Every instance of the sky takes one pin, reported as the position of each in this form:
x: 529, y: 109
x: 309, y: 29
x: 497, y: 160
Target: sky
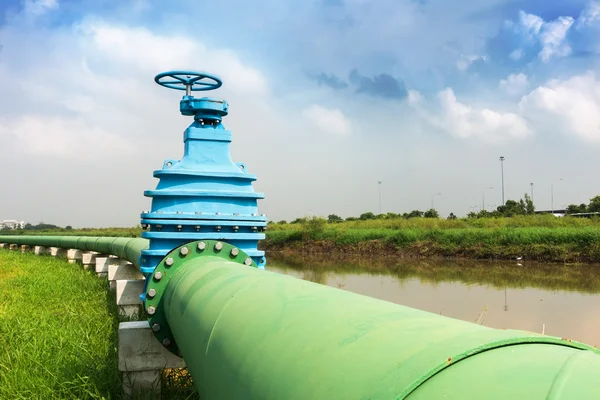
x: 327, y: 98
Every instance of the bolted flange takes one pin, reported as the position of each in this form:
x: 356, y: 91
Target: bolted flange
x: 168, y: 266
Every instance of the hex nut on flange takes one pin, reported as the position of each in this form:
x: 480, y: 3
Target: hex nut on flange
x: 184, y: 251
x: 151, y: 293
x: 156, y: 327
x: 169, y: 261
x: 201, y: 246
x: 235, y: 252
x: 151, y: 310
x: 218, y: 246
x: 158, y: 275
x: 248, y: 261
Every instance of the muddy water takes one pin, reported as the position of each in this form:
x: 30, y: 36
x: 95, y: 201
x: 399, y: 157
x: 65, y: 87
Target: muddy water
x: 559, y: 300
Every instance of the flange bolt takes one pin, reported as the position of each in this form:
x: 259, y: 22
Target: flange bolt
x: 151, y: 293
x: 184, y: 251
x: 201, y: 246
x: 169, y: 262
x: 151, y: 310
x: 218, y: 246
x: 235, y: 252
x: 158, y: 275
x: 248, y: 261
x: 155, y: 327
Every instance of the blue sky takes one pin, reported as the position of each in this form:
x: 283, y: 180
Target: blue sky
x: 327, y: 97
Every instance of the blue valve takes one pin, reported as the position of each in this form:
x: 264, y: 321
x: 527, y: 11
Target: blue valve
x: 205, y: 195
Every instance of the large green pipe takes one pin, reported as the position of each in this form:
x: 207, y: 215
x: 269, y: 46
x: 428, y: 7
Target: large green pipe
x: 125, y: 248
x: 251, y: 334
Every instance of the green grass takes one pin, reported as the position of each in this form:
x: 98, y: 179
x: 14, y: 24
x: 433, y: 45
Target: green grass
x: 544, y: 238
x: 58, y: 333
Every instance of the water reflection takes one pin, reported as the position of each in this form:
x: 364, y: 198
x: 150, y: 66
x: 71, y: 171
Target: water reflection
x: 562, y: 300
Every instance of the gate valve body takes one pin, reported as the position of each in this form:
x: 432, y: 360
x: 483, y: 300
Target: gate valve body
x: 205, y: 195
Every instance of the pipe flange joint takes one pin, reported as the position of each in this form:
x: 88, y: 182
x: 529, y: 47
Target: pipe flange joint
x: 168, y: 266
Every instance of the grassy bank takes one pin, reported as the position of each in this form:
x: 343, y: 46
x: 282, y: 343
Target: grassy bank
x: 535, y: 237
x: 542, y: 238
x: 58, y: 333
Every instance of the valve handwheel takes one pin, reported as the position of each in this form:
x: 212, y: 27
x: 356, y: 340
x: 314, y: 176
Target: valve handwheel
x: 188, y: 81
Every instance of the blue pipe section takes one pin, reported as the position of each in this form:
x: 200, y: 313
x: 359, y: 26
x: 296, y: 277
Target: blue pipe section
x: 205, y: 195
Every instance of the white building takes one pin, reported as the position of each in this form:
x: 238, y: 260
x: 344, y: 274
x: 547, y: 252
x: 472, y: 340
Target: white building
x: 12, y: 224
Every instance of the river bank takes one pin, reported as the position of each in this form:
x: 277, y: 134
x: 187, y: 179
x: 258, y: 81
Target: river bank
x: 539, y: 238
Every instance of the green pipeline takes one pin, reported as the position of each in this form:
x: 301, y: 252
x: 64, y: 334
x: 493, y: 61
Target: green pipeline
x: 125, y: 248
x: 251, y: 334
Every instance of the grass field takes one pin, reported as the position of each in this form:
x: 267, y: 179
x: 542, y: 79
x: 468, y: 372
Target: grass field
x: 537, y: 237
x: 58, y: 333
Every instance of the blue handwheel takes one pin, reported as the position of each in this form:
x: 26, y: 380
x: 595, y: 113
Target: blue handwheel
x: 188, y: 81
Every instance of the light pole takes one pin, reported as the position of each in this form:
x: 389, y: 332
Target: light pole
x: 483, y: 197
x: 552, y: 193
x: 531, y: 191
x: 379, y: 186
x: 502, y: 169
x: 432, y: 203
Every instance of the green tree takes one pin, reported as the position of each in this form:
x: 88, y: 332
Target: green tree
x: 282, y: 222
x: 594, y: 205
x: 332, y: 218
x: 415, y: 214
x: 451, y: 216
x: 366, y: 216
x: 431, y: 213
x: 576, y: 209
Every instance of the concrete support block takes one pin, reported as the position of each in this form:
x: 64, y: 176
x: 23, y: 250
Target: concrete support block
x: 131, y: 312
x: 58, y: 252
x: 74, y: 256
x: 3, y: 245
x: 25, y: 248
x: 88, y: 259
x: 128, y: 292
x: 141, y: 358
x: 12, y: 246
x: 39, y: 250
x: 103, y: 262
x: 140, y: 351
x: 122, y: 271
x: 141, y: 385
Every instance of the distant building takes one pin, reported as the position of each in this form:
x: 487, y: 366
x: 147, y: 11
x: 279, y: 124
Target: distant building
x: 12, y: 224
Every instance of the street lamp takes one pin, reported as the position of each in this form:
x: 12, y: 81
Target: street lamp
x: 432, y: 204
x: 552, y: 192
x: 502, y: 169
x: 483, y: 197
x: 531, y: 191
x: 379, y: 186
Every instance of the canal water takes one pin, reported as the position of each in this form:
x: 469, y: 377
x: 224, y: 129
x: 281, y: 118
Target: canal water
x: 556, y: 299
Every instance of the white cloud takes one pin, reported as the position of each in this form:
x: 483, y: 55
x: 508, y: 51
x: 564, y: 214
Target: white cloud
x: 530, y: 24
x: 73, y: 138
x: 516, y: 55
x: 141, y: 49
x: 551, y: 36
x: 328, y: 120
x: 39, y: 7
x: 514, y: 84
x: 465, y: 61
x: 571, y: 106
x: 589, y: 15
x: 466, y: 122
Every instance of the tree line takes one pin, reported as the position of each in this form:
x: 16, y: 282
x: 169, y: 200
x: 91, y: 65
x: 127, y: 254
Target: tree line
x: 523, y: 206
